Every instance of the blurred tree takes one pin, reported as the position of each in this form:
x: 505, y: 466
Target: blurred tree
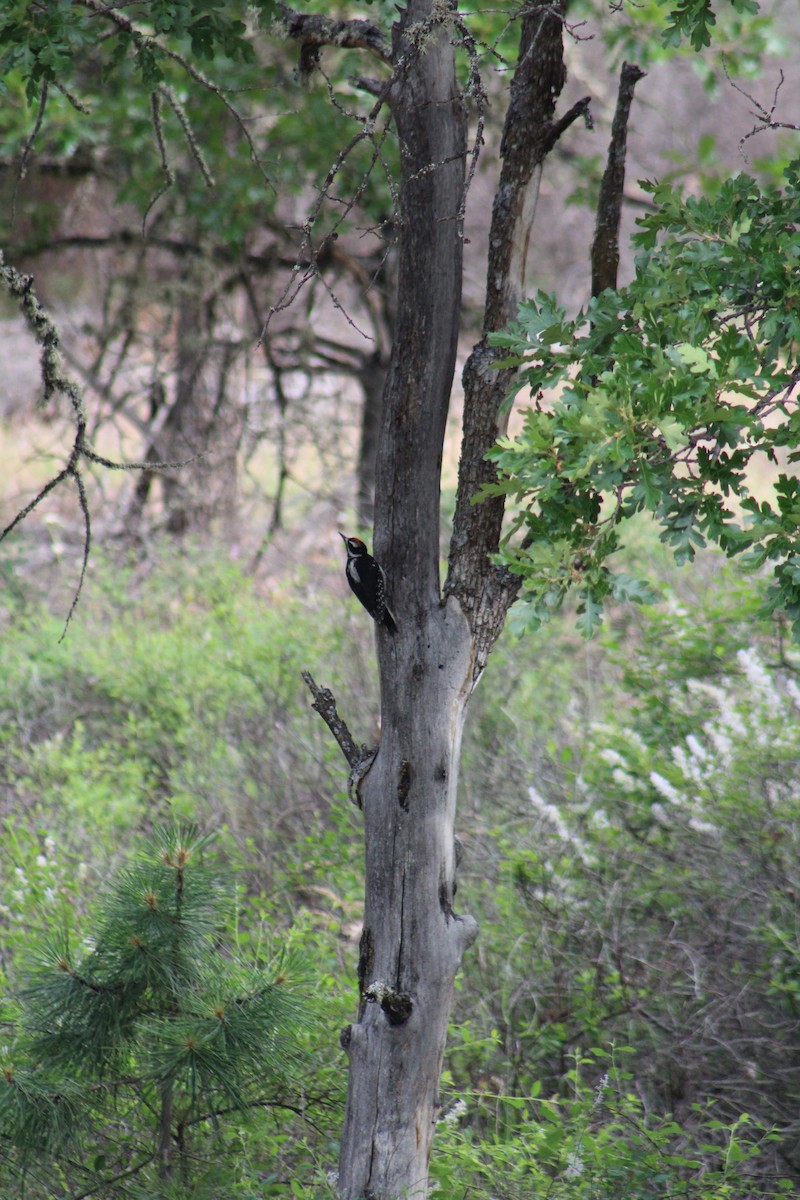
x: 142, y: 179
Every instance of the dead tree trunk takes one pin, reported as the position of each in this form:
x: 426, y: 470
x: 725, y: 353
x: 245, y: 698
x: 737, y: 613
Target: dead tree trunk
x: 413, y: 940
x: 529, y: 134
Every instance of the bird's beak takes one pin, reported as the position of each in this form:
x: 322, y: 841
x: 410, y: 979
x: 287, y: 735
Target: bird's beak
x: 343, y: 536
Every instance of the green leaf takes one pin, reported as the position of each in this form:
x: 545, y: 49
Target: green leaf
x: 590, y: 614
x: 698, y: 360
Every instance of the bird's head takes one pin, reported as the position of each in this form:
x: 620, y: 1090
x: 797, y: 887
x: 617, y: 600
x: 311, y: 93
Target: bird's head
x: 355, y: 547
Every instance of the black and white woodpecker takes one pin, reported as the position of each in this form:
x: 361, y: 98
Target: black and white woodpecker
x: 368, y: 581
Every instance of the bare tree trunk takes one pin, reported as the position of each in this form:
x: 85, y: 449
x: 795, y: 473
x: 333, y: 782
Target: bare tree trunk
x: 200, y: 421
x: 412, y: 942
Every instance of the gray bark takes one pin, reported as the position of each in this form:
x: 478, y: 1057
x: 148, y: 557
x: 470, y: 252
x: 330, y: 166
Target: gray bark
x: 530, y: 132
x: 413, y: 941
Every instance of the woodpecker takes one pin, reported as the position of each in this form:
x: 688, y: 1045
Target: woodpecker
x: 367, y: 581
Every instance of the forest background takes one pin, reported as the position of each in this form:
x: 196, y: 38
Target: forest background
x: 636, y: 1037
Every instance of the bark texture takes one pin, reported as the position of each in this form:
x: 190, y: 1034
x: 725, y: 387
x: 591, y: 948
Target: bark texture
x: 413, y: 940
x: 192, y: 419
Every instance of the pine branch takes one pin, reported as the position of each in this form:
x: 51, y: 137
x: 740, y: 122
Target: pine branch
x: 114, y: 1179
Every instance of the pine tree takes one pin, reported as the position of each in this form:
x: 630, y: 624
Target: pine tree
x: 133, y: 1048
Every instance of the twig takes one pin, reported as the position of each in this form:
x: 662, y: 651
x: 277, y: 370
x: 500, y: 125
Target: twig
x: 106, y: 1183
x: 77, y: 104
x: 194, y: 146
x: 139, y: 38
x: 26, y: 149
x: 325, y: 705
x: 360, y: 758
x: 169, y: 174
x: 579, y: 109
x: 763, y: 115
x: 303, y: 271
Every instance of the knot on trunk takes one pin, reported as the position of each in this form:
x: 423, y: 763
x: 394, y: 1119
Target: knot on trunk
x: 404, y: 785
x: 398, y: 1006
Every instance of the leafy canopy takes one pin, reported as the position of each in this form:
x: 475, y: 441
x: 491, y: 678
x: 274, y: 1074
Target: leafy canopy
x: 661, y: 396
x: 44, y: 41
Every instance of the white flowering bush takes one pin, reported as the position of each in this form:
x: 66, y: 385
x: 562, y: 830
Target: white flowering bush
x: 740, y: 763
x: 641, y: 894
x: 39, y: 884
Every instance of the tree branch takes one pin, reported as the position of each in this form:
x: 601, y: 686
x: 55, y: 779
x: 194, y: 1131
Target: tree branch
x: 485, y: 593
x: 138, y: 37
x: 605, y: 247
x: 359, y: 757
x: 579, y: 109
x: 26, y: 149
x: 56, y: 380
x: 107, y: 1183
x: 268, y: 260
x: 316, y: 30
